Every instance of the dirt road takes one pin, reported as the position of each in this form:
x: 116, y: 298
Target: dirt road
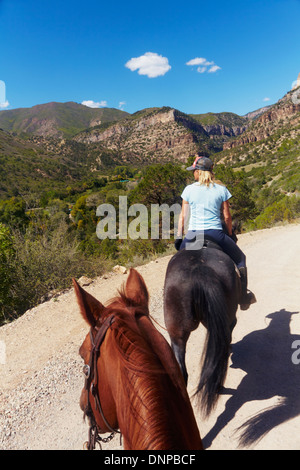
x: 41, y: 375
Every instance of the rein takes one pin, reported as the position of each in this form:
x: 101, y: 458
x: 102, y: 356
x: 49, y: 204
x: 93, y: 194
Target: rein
x: 91, y: 385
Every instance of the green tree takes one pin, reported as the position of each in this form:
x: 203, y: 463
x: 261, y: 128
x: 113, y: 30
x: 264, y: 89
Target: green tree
x: 123, y: 172
x: 160, y: 184
x: 284, y: 210
x: 242, y: 203
x: 13, y: 212
x: 6, y: 270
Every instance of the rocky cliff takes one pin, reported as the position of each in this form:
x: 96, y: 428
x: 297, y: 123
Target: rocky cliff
x: 224, y: 124
x: 285, y: 113
x: 221, y: 130
x: 152, y: 134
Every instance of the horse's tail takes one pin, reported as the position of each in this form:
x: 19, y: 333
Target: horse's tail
x: 210, y: 299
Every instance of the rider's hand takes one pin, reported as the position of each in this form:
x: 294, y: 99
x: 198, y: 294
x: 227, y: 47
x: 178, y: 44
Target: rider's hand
x: 233, y: 237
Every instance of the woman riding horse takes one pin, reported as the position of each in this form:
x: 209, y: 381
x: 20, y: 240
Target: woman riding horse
x: 206, y: 199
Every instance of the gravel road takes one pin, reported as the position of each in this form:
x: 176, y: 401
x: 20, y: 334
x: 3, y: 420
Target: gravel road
x: 41, y: 377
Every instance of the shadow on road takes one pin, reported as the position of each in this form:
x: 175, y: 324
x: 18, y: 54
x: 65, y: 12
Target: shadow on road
x: 272, y: 370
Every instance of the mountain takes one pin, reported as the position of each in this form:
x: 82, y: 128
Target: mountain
x: 148, y: 135
x: 153, y: 134
x: 258, y: 112
x: 225, y: 124
x: 60, y: 144
x: 167, y: 132
x: 269, y: 152
x: 56, y: 119
x: 66, y: 143
x: 162, y: 134
x: 282, y: 115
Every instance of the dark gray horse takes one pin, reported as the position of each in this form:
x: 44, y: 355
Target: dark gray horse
x: 202, y: 286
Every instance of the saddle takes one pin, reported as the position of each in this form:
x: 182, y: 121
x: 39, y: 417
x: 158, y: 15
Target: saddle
x: 209, y: 243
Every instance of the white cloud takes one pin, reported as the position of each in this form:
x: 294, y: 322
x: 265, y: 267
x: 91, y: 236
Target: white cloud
x: 266, y: 99
x: 122, y: 104
x: 197, y: 61
x: 94, y: 104
x: 214, y: 69
x: 4, y: 105
x: 150, y: 64
x: 203, y: 65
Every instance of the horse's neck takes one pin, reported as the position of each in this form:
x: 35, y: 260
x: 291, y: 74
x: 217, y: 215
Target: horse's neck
x: 141, y: 403
x: 144, y: 421
x: 149, y: 404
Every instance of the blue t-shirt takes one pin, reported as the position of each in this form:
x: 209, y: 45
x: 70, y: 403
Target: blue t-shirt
x: 205, y: 205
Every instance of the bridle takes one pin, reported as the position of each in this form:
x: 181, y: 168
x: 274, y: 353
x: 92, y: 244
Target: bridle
x: 91, y: 385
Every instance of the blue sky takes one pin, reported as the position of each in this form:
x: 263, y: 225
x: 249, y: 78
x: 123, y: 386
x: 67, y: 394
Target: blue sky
x: 196, y: 56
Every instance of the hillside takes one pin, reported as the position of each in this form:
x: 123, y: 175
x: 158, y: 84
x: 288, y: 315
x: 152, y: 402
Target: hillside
x: 39, y: 164
x: 258, y: 112
x: 269, y: 151
x: 53, y: 145
x: 56, y: 119
x: 226, y: 124
x: 147, y: 135
x: 283, y: 117
x: 23, y: 165
x: 161, y: 134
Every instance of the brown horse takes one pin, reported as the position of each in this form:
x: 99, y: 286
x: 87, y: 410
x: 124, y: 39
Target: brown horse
x: 133, y: 381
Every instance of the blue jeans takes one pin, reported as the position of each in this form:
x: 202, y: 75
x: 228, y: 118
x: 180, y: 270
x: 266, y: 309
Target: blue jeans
x: 224, y: 241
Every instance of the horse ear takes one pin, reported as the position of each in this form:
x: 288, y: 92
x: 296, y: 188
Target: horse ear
x: 90, y: 308
x: 136, y: 289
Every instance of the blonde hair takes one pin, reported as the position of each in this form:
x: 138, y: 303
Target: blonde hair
x: 206, y: 177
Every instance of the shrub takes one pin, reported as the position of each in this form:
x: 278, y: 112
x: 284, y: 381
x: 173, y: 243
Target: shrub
x: 284, y: 210
x: 6, y: 270
x: 41, y: 266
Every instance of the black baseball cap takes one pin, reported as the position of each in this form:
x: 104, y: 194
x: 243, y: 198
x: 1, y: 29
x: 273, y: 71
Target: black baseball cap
x: 201, y: 163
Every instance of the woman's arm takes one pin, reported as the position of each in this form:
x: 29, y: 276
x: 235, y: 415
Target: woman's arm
x: 227, y: 216
x: 183, y: 218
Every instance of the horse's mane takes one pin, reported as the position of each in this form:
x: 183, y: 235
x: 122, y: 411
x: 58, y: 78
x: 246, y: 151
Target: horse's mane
x: 129, y: 336
x: 146, y: 379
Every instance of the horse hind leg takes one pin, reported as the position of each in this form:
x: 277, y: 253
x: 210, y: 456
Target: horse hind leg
x: 179, y: 347
x: 178, y: 323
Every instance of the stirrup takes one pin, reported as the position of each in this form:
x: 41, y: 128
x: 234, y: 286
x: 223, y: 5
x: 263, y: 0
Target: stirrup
x: 248, y: 300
